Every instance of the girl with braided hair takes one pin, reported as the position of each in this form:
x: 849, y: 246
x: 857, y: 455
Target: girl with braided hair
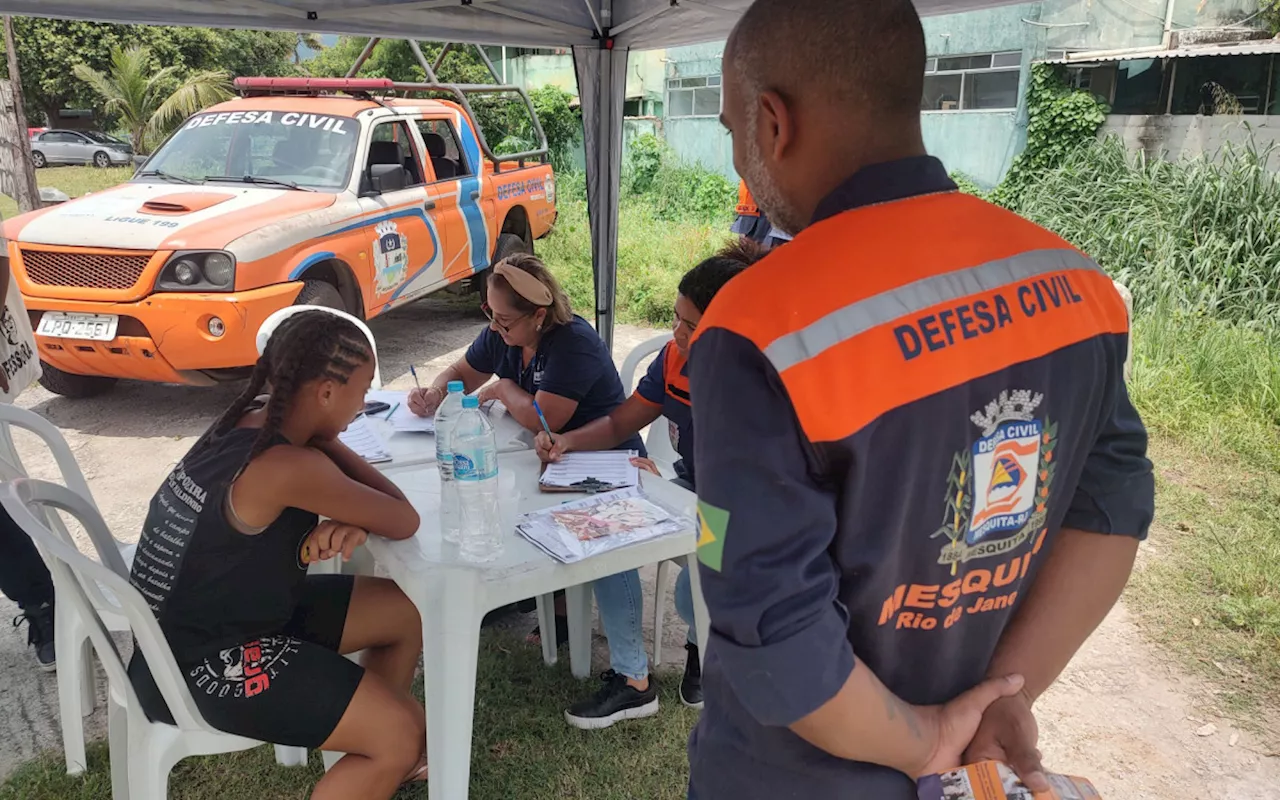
x: 223, y: 560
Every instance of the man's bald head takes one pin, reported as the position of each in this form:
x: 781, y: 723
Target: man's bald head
x: 814, y: 90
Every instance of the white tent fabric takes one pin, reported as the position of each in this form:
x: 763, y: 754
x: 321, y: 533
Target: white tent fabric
x: 601, y: 32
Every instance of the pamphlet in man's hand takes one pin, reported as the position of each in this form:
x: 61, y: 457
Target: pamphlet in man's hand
x: 991, y: 780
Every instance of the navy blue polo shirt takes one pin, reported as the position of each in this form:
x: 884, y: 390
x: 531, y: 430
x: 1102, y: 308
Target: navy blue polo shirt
x: 666, y: 385
x: 572, y: 362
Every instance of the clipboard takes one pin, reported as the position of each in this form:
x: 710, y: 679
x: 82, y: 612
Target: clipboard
x: 589, y: 485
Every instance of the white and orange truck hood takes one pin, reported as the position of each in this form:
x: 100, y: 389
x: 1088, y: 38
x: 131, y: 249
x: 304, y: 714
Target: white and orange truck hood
x: 164, y: 216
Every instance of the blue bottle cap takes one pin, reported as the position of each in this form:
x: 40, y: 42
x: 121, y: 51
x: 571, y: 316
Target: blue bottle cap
x: 471, y: 401
x: 456, y: 386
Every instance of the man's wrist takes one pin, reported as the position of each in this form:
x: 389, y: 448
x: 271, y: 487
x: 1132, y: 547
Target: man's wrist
x: 924, y: 748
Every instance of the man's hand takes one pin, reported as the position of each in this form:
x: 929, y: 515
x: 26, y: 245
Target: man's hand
x: 331, y: 538
x: 955, y: 723
x: 1009, y: 733
x: 550, y: 450
x: 645, y: 464
x: 424, y: 402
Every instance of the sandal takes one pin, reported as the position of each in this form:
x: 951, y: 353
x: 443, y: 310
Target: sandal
x: 562, y: 633
x: 417, y: 775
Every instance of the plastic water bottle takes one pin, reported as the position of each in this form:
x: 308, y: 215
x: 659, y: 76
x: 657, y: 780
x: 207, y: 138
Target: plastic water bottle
x: 446, y: 417
x: 475, y: 470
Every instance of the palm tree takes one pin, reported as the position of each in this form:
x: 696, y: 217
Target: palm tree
x: 310, y: 41
x: 152, y: 102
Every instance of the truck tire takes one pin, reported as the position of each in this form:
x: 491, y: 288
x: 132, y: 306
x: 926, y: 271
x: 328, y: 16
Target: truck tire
x: 508, y: 245
x: 74, y: 386
x: 319, y: 293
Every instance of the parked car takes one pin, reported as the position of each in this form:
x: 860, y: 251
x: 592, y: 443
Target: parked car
x: 79, y: 147
x: 292, y: 195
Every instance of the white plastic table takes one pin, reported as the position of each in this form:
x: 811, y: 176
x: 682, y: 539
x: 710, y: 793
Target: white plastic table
x: 452, y: 597
x: 411, y: 449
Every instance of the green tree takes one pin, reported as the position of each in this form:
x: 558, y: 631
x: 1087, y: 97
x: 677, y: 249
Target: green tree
x: 150, y: 102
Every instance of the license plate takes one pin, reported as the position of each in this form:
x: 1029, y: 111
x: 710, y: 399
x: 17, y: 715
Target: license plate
x: 63, y: 325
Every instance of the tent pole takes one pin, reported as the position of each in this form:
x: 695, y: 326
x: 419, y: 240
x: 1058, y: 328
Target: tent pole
x: 363, y: 57
x: 423, y: 62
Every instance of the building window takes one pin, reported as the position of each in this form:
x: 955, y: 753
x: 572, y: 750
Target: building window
x: 694, y: 97
x: 972, y: 82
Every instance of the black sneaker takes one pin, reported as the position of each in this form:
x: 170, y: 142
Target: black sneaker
x: 617, y: 700
x: 691, y: 684
x: 40, y: 634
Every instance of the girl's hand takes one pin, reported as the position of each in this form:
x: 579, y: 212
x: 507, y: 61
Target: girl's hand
x: 645, y: 464
x: 331, y: 538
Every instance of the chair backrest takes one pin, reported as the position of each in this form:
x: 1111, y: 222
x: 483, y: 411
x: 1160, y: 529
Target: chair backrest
x: 658, y: 442
x: 273, y: 321
x: 633, y: 359
x: 11, y: 467
x: 27, y: 501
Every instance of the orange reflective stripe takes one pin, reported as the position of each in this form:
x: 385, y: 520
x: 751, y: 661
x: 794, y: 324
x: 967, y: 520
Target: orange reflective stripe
x: 885, y: 367
x: 671, y: 376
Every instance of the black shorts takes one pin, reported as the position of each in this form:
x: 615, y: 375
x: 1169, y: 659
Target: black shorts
x: 288, y: 688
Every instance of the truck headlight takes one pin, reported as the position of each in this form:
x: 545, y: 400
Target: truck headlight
x: 212, y: 271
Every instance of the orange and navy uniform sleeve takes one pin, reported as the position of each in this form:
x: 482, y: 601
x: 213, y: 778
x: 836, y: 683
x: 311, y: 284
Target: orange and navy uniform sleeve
x: 652, y: 388
x: 769, y: 581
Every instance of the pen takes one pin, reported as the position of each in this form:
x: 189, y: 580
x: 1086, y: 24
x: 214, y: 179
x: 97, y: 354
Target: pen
x: 392, y: 411
x: 543, y: 420
x: 414, y: 373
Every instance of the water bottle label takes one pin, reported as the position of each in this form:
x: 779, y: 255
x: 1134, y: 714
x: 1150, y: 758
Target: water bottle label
x: 474, y: 466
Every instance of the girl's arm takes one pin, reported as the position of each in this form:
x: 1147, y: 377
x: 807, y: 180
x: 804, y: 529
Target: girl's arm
x: 303, y: 477
x: 356, y: 468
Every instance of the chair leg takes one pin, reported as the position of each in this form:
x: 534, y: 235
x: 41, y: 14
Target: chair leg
x: 72, y: 647
x: 659, y: 608
x: 291, y: 756
x: 148, y: 777
x: 330, y: 758
x: 118, y: 749
x: 547, y: 628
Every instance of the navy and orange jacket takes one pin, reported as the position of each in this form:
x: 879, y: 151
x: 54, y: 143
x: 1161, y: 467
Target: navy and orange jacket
x: 666, y: 385
x: 886, y: 451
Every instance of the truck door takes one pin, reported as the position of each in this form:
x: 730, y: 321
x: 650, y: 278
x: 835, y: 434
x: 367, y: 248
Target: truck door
x: 405, y: 245
x: 452, y: 170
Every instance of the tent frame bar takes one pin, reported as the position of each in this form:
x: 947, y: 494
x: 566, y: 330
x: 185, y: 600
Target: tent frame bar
x: 460, y: 92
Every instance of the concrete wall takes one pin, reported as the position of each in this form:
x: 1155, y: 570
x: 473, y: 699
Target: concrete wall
x: 1188, y: 136
x: 699, y: 140
x: 980, y: 144
x: 1133, y: 23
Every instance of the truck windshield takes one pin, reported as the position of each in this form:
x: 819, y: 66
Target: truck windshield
x: 312, y: 150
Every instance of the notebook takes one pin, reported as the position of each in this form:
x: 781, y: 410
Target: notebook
x: 365, y: 441
x: 601, y: 471
x: 400, y: 417
x: 991, y: 780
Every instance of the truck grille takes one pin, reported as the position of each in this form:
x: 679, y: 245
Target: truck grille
x: 84, y: 270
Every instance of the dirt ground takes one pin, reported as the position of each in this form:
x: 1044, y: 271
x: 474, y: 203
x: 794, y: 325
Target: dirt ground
x: 1120, y: 715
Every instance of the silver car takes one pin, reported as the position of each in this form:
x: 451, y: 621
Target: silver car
x: 79, y: 147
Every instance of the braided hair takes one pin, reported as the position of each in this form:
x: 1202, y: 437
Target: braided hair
x: 306, y: 346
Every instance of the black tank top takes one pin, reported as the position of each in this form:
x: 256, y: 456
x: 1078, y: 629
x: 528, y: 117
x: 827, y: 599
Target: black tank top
x: 209, y: 585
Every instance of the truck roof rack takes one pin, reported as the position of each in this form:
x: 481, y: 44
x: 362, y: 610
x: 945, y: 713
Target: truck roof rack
x: 375, y: 88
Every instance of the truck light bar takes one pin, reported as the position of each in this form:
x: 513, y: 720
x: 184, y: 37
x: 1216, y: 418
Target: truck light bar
x: 311, y: 86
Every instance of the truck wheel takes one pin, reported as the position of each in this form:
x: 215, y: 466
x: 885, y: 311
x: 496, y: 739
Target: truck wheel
x: 38, y: 159
x: 319, y: 293
x: 508, y: 245
x: 101, y: 160
x: 74, y: 386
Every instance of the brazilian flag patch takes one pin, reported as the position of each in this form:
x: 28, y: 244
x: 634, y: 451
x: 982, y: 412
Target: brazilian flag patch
x: 712, y: 524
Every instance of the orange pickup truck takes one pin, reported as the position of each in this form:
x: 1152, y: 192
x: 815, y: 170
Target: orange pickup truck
x: 348, y: 193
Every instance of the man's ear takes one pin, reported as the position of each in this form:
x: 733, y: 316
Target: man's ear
x: 776, y: 126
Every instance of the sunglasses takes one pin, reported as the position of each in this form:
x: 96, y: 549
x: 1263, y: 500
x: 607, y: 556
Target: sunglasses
x: 505, y: 327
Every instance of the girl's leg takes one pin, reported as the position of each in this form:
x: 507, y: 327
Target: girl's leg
x: 384, y: 623
x: 382, y: 737
x: 621, y: 605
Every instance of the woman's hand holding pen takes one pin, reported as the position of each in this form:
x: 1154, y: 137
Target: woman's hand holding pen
x: 424, y: 402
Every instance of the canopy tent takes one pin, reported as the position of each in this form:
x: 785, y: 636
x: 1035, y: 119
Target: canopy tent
x: 601, y: 33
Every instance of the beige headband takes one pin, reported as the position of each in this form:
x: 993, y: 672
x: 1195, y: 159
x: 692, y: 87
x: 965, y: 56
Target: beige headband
x: 525, y: 285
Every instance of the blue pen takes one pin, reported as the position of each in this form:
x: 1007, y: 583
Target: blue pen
x: 543, y: 419
x: 414, y: 373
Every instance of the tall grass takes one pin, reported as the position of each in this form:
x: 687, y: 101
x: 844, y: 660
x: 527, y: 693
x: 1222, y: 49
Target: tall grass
x: 1201, y: 235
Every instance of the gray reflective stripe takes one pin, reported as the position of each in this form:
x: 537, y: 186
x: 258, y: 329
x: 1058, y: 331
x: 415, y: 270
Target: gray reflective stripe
x: 860, y: 317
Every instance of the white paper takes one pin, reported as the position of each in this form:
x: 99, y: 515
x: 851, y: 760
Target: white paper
x: 581, y: 529
x: 610, y: 467
x: 402, y: 419
x: 365, y: 441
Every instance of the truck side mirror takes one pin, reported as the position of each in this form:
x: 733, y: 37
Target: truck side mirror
x: 385, y: 178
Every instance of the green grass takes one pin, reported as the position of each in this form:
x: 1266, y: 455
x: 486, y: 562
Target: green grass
x: 522, y: 748
x: 75, y: 181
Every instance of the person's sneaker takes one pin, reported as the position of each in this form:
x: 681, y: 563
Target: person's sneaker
x: 691, y: 684
x: 617, y: 700
x: 40, y: 634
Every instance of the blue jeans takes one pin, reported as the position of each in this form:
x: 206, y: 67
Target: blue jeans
x: 621, y: 603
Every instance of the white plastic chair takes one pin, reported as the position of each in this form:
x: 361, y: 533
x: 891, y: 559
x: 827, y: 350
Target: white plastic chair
x: 658, y: 440
x: 142, y: 752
